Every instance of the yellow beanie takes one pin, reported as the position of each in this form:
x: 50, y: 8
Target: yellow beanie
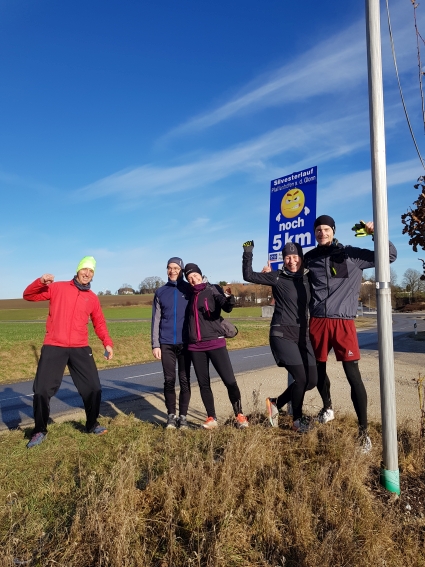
x: 87, y: 262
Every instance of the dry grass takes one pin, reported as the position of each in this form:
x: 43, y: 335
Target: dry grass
x: 145, y: 496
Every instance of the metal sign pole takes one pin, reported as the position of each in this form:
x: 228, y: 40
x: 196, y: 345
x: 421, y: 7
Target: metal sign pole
x: 389, y: 472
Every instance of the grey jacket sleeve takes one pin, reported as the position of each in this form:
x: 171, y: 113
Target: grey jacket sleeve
x: 365, y: 259
x: 156, y: 318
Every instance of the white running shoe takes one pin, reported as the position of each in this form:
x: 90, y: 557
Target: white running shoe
x: 365, y: 444
x: 325, y: 415
x: 272, y: 411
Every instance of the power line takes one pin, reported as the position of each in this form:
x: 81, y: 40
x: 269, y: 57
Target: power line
x: 399, y: 84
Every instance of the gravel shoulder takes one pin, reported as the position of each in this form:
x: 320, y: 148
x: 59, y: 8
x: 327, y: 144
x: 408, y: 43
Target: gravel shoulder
x: 255, y: 386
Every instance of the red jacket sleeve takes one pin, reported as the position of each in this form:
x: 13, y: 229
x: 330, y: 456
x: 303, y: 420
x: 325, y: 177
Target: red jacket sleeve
x: 37, y: 291
x: 99, y: 324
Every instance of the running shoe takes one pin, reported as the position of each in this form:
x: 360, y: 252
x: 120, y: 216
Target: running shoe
x: 241, y: 421
x: 272, y: 411
x: 99, y: 430
x: 183, y: 422
x: 36, y: 439
x: 171, y: 422
x: 210, y: 423
x: 303, y: 424
x: 325, y: 415
x: 365, y: 444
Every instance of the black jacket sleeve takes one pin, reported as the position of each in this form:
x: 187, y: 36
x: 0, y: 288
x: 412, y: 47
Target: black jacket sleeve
x: 269, y: 278
x: 221, y: 301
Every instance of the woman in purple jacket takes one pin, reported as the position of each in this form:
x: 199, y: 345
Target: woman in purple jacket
x: 207, y: 343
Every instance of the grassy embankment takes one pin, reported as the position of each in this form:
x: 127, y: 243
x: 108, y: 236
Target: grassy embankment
x: 143, y: 496
x: 22, y: 332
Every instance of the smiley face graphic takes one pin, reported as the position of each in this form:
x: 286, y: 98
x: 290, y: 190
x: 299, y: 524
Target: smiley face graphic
x: 292, y: 203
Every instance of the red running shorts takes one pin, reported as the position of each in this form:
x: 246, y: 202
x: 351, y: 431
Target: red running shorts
x: 339, y: 334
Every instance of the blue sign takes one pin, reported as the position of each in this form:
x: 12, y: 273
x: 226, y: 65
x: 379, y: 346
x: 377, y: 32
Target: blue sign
x: 292, y: 212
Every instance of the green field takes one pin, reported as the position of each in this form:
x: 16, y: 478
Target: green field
x: 20, y: 342
x: 111, y: 313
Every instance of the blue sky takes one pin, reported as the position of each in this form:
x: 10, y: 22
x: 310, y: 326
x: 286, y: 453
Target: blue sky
x: 136, y: 131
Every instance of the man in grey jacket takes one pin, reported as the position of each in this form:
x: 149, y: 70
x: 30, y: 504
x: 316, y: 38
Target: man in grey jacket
x: 335, y: 274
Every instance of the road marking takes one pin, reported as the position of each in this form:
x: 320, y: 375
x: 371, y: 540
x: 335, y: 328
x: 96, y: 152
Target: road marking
x: 17, y: 397
x: 141, y: 375
x: 254, y: 355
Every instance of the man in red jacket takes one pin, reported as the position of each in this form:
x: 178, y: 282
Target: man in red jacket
x: 72, y: 305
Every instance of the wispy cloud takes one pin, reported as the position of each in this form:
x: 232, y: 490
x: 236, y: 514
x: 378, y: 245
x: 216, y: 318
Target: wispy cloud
x: 313, y: 73
x: 309, y: 75
x: 359, y: 183
x: 321, y: 141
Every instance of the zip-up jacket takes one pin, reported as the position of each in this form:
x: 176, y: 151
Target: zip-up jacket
x: 169, y: 310
x: 70, y: 310
x: 335, y: 274
x: 206, y: 303
x: 291, y: 292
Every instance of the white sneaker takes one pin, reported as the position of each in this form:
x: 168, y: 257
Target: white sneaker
x: 272, y: 411
x: 365, y: 444
x: 325, y: 415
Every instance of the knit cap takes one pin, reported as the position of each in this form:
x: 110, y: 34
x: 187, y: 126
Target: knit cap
x: 87, y: 262
x: 192, y: 268
x: 292, y: 249
x: 176, y: 260
x: 325, y: 220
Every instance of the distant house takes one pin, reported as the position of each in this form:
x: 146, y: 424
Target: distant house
x: 126, y: 291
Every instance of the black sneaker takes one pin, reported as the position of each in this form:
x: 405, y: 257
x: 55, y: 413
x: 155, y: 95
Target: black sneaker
x: 303, y: 424
x: 171, y: 421
x: 183, y: 422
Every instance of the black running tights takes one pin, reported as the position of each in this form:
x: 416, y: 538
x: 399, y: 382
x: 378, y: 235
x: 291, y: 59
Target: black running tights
x: 221, y: 362
x: 304, y: 379
x: 358, y: 391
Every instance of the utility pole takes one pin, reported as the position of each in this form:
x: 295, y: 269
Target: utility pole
x: 390, y: 477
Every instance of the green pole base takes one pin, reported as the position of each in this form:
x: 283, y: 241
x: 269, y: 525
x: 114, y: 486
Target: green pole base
x: 390, y: 480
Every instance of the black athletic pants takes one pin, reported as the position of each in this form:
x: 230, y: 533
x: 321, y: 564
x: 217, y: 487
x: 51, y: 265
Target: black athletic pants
x: 48, y: 379
x: 170, y: 355
x: 358, y: 391
x: 221, y: 361
x: 297, y: 357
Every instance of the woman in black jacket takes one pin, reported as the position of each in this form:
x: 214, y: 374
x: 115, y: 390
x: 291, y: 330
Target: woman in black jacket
x: 207, y: 343
x: 289, y: 338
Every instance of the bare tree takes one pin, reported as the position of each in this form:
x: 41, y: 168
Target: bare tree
x: 412, y: 282
x: 372, y: 278
x: 150, y: 284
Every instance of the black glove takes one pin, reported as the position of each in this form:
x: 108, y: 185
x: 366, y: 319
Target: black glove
x: 248, y: 246
x: 360, y: 229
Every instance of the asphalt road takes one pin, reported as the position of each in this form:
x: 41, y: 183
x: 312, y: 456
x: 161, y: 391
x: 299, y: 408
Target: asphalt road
x: 132, y: 382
